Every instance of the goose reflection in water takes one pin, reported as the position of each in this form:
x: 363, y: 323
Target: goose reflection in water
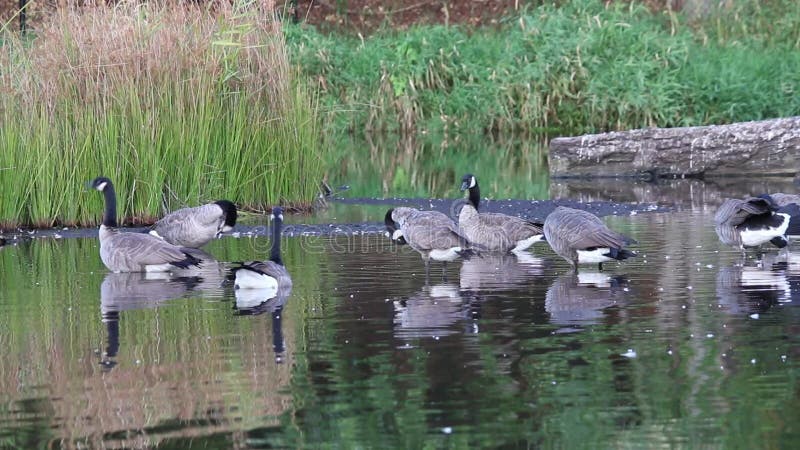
x: 500, y: 272
x: 580, y: 299
x: 431, y: 312
x: 254, y: 302
x: 753, y: 289
x: 136, y: 290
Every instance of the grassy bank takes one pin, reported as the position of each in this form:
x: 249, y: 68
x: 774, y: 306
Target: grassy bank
x: 577, y: 67
x: 178, y: 106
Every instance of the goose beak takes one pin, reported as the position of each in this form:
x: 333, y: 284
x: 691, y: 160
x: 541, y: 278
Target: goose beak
x: 464, y: 185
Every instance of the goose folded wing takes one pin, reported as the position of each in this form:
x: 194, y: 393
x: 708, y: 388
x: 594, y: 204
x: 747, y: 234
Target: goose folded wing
x: 147, y: 250
x: 597, y: 237
x: 432, y: 234
x: 735, y: 212
x: 728, y: 234
x: 518, y: 229
x: 269, y: 268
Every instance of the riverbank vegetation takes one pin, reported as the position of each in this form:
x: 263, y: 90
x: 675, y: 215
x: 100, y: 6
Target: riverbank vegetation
x: 574, y: 67
x: 179, y: 105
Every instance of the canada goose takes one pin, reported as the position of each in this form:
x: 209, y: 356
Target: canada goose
x: 581, y: 237
x: 134, y: 252
x: 270, y: 274
x: 497, y: 232
x: 196, y: 227
x: 754, y: 221
x: 431, y: 233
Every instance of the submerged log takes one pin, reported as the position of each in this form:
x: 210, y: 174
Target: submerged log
x: 766, y: 147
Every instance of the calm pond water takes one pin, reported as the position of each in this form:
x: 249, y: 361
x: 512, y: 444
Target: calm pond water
x: 682, y: 346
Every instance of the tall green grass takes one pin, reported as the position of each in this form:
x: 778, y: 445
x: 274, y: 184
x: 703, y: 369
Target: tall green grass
x: 179, y: 105
x: 562, y: 69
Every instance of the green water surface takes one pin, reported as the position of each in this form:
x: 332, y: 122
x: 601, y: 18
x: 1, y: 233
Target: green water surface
x: 679, y: 347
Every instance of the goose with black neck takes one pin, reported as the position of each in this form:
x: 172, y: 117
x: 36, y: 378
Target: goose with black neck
x: 495, y: 232
x: 270, y: 274
x: 123, y: 251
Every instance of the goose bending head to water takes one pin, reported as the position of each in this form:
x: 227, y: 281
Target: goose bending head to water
x: 754, y: 221
x: 431, y: 233
x: 135, y: 252
x: 494, y: 231
x: 786, y: 203
x: 580, y: 237
x: 270, y: 274
x: 196, y: 227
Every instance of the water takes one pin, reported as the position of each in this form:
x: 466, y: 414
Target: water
x: 432, y: 165
x: 681, y: 346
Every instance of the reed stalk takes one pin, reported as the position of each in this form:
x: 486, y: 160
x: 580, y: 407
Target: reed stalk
x: 178, y: 104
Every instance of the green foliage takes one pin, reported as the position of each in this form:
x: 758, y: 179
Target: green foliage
x: 178, y: 106
x: 573, y: 68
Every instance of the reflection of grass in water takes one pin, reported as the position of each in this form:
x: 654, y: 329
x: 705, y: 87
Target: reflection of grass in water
x: 195, y: 354
x: 431, y: 168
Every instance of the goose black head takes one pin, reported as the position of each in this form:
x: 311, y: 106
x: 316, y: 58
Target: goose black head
x: 100, y: 183
x: 229, y: 211
x: 392, y: 232
x: 468, y: 181
x: 769, y: 200
x: 277, y: 213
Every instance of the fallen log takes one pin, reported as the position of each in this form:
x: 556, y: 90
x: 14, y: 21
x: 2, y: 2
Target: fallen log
x: 765, y: 147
